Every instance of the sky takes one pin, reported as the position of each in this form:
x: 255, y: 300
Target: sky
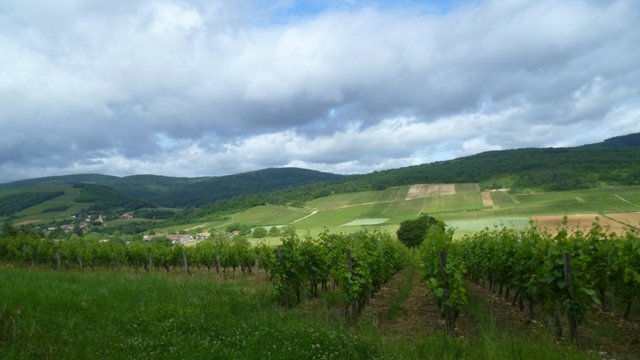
x: 207, y: 88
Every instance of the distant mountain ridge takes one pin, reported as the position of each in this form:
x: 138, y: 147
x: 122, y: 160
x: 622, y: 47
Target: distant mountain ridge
x: 615, y: 161
x: 617, y: 142
x: 187, y: 192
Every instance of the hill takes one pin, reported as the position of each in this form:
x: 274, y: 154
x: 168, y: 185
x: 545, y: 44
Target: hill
x: 630, y: 140
x: 614, y: 161
x: 195, y: 192
x: 63, y: 179
x: 56, y: 196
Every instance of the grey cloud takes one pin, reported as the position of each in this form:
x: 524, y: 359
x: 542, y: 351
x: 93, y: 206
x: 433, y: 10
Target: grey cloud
x: 127, y: 87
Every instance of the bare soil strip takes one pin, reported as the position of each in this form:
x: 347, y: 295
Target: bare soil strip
x: 420, y: 315
x: 487, y: 200
x: 421, y: 191
x: 583, y: 222
x: 631, y: 219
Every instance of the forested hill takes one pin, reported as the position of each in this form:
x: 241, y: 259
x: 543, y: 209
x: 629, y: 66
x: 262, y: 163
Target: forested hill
x: 631, y: 140
x: 615, y: 161
x: 197, y: 192
x: 186, y: 192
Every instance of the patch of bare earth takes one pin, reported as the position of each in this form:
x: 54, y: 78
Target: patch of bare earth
x: 421, y: 191
x: 583, y: 222
x: 632, y: 219
x: 419, y: 315
x: 487, y: 200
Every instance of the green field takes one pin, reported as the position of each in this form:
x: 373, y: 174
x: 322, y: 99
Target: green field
x: 350, y: 212
x: 463, y: 210
x: 138, y: 315
x: 124, y: 315
x: 269, y: 215
x: 42, y: 212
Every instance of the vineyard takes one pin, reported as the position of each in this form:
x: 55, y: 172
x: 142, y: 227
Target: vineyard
x: 558, y: 279
x: 356, y: 264
x: 561, y: 276
x: 119, y: 253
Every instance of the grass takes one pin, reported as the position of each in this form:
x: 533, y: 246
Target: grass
x: 341, y: 200
x: 115, y: 316
x: 501, y: 198
x: 46, y: 314
x: 366, y: 221
x: 333, y: 218
x: 269, y: 215
x: 396, y: 307
x: 463, y: 210
x: 337, y: 210
x: 38, y: 213
x: 507, y: 342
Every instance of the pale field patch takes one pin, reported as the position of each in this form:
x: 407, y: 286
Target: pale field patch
x: 361, y: 222
x: 632, y: 218
x: 421, y: 191
x: 487, y: 200
x: 583, y: 222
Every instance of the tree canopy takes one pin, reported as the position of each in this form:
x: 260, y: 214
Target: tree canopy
x: 413, y: 231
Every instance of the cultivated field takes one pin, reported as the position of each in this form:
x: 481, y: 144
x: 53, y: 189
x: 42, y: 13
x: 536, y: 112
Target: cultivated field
x: 421, y: 191
x: 612, y: 222
x: 58, y: 208
x: 463, y: 206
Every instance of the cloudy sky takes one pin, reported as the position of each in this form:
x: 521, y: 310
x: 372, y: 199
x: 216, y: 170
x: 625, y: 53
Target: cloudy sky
x: 206, y: 87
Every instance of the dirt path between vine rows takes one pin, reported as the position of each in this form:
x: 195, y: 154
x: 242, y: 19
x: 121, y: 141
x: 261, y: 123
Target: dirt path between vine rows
x: 418, y: 314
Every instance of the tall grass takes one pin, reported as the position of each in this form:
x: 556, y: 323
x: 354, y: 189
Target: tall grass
x: 71, y: 315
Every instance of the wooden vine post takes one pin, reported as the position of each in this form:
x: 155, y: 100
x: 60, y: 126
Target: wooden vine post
x: 57, y: 259
x: 612, y: 289
x: 286, y: 300
x: 348, y: 260
x: 446, y: 310
x: 149, y: 261
x: 186, y: 262
x: 573, y: 324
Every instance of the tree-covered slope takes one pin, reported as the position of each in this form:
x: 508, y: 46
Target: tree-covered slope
x: 615, y: 161
x: 544, y: 169
x: 64, y: 179
x: 205, y: 191
x: 630, y: 140
x: 178, y: 191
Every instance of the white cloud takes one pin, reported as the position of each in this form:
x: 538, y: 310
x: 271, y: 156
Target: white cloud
x: 199, y: 87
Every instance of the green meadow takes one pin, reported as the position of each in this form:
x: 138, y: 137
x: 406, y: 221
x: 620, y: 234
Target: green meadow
x: 123, y: 315
x: 464, y: 210
x: 384, y: 209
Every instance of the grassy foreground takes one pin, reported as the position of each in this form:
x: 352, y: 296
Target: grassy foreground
x: 71, y: 315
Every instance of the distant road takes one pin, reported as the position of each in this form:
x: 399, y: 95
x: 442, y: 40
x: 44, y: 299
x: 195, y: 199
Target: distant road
x: 625, y: 200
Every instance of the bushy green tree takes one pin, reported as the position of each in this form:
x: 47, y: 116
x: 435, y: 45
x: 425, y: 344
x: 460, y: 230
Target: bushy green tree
x: 413, y: 231
x: 242, y: 229
x: 274, y: 231
x: 259, y: 232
